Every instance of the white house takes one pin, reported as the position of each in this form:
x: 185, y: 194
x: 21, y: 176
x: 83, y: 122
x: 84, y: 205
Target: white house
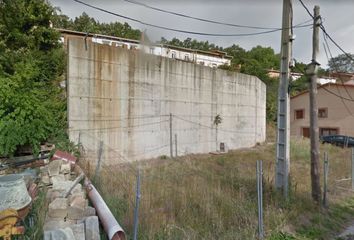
x: 207, y: 58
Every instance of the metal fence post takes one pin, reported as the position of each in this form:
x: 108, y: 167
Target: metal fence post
x: 325, y: 178
x: 171, y: 144
x: 260, y: 198
x: 352, y: 168
x: 98, y: 166
x: 136, y: 210
x: 176, y: 152
x: 79, y: 139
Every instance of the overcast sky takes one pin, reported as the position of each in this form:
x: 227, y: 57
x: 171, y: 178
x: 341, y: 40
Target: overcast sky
x: 338, y: 17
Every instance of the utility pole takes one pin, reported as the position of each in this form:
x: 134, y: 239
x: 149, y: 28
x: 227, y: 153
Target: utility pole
x: 283, y: 128
x: 171, y: 143
x: 314, y: 135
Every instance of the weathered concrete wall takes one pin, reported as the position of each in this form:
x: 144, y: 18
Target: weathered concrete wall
x: 124, y: 98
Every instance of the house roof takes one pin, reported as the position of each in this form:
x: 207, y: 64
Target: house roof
x: 83, y: 34
x: 323, y: 86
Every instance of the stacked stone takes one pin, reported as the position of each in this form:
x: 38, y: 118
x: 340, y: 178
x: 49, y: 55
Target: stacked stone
x: 68, y: 218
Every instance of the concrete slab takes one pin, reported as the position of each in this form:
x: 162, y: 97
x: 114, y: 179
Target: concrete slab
x: 59, y: 234
x: 78, y: 201
x: 58, y: 208
x: 92, y: 230
x: 56, y: 223
x: 54, y: 167
x: 79, y: 231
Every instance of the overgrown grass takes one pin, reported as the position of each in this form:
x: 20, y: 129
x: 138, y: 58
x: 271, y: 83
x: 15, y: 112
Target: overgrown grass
x: 214, y: 197
x: 34, y: 221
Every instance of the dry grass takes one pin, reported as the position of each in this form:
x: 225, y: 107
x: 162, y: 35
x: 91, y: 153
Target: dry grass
x: 214, y: 197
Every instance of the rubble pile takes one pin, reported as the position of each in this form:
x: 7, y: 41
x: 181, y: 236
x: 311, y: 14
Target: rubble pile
x: 69, y: 217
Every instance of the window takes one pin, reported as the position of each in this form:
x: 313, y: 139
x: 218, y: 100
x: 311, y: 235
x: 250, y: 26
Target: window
x: 328, y: 131
x: 306, y: 132
x: 186, y: 57
x: 299, y: 114
x: 173, y: 55
x: 323, y: 112
x: 152, y: 50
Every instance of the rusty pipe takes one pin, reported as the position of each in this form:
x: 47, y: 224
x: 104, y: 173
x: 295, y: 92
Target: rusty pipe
x: 109, y: 223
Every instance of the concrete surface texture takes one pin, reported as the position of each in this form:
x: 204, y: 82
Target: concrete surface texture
x: 124, y: 97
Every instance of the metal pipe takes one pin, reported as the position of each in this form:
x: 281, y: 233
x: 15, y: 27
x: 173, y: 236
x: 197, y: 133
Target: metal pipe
x: 109, y: 223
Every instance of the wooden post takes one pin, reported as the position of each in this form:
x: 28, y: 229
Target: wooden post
x: 314, y: 135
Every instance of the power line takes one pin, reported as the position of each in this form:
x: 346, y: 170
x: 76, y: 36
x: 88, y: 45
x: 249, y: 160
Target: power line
x: 180, y: 30
x: 336, y: 66
x: 326, y: 33
x: 307, y: 10
x: 207, y: 20
x: 335, y: 94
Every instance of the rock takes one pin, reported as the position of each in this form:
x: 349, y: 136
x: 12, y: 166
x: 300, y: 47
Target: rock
x: 92, y: 231
x: 78, y: 201
x: 56, y: 223
x: 54, y: 167
x: 65, y: 168
x: 46, y: 180
x: 90, y: 211
x: 67, y: 177
x: 51, y: 195
x: 59, y: 234
x: 77, y: 189
x: 58, y: 208
x: 57, y: 178
x: 62, y: 186
x: 79, y: 231
x: 44, y: 169
x: 75, y: 213
x: 76, y: 194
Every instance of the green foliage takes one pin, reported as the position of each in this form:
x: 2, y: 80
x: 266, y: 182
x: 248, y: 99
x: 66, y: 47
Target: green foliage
x: 342, y: 63
x: 281, y: 236
x: 31, y: 104
x: 217, y: 120
x: 85, y: 23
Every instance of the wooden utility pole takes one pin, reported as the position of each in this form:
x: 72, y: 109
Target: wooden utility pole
x: 314, y: 135
x: 283, y: 129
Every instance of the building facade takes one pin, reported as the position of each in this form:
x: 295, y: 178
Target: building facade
x: 335, y: 111
x: 205, y: 58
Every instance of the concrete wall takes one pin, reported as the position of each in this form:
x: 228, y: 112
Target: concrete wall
x: 340, y: 112
x: 124, y: 98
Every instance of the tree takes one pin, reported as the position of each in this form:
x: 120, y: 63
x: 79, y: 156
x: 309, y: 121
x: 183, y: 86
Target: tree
x: 31, y: 63
x: 85, y: 23
x: 342, y: 63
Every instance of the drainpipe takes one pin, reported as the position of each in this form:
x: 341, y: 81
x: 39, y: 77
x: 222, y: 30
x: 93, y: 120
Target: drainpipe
x: 109, y: 223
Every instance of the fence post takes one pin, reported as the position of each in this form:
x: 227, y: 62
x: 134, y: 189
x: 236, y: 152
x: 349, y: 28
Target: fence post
x: 98, y: 166
x: 352, y: 168
x: 79, y: 139
x: 176, y: 152
x: 136, y: 210
x: 325, y: 178
x: 171, y: 144
x: 260, y: 199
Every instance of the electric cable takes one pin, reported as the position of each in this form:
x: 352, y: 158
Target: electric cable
x: 207, y: 20
x: 180, y: 30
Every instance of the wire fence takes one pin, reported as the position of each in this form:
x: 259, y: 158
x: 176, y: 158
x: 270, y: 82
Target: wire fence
x: 180, y: 195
